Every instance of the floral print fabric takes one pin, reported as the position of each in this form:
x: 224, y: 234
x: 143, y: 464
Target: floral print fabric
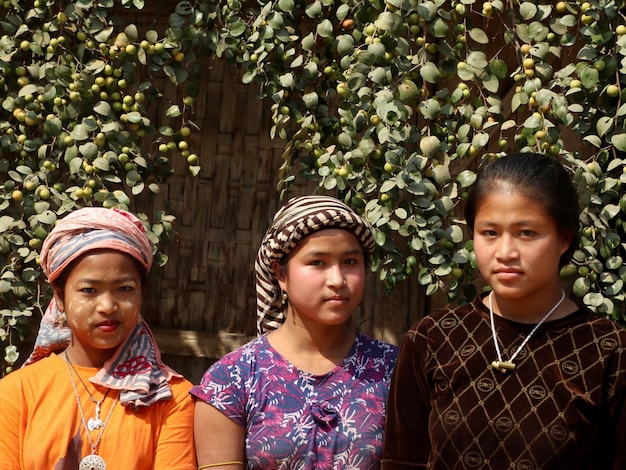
x: 296, y: 420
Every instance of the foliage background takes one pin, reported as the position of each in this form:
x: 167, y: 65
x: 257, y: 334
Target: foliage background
x: 389, y: 105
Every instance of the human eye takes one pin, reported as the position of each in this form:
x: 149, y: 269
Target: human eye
x: 527, y: 233
x: 86, y: 289
x: 126, y: 288
x: 352, y: 261
x: 488, y: 233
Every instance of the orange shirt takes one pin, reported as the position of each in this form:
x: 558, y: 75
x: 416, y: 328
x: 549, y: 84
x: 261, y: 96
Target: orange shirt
x: 41, y: 426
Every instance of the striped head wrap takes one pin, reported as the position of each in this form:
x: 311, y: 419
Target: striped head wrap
x: 135, y: 368
x: 301, y: 216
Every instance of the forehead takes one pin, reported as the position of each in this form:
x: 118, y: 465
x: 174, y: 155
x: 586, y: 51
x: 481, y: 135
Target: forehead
x: 99, y: 261
x: 508, y: 205
x: 329, y: 239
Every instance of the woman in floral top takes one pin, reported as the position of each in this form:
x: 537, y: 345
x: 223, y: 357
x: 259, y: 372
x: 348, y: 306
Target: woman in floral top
x: 309, y: 392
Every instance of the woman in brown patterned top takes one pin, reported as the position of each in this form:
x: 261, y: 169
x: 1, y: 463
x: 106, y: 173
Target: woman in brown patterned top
x: 522, y: 377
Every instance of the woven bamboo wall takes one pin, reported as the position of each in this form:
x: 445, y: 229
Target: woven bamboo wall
x: 222, y: 214
x: 203, y: 305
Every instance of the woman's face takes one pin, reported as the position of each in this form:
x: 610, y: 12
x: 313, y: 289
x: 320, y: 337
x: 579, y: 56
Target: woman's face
x: 324, y: 278
x: 102, y: 300
x: 518, y: 246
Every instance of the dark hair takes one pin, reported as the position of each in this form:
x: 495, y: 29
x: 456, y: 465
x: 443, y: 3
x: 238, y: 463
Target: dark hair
x: 538, y: 177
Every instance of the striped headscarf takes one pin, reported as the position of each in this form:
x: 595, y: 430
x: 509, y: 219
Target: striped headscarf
x: 301, y: 216
x: 136, y: 368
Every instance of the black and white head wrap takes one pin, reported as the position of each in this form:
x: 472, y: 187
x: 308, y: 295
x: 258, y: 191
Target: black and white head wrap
x: 301, y: 216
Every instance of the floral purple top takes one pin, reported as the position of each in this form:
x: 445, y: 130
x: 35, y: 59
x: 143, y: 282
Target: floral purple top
x: 296, y: 420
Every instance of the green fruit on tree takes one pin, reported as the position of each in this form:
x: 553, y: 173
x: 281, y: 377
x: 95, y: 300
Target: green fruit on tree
x: 408, y: 92
x: 343, y: 90
x: 612, y: 91
x: 568, y: 271
x: 430, y: 145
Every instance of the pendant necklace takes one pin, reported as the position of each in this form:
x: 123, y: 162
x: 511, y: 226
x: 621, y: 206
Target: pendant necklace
x: 93, y: 423
x: 92, y: 461
x: 505, y: 366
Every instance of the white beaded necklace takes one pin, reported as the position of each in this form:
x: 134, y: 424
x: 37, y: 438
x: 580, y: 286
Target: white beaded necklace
x: 504, y: 366
x: 92, y: 461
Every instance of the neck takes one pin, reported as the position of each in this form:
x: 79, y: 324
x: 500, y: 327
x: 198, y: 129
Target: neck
x: 528, y: 311
x: 81, y: 357
x: 313, y: 350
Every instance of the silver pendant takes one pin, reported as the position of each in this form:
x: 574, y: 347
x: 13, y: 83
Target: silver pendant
x: 97, y: 422
x: 92, y: 462
x: 94, y: 424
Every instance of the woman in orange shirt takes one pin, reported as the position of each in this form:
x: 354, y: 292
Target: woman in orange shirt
x: 94, y: 394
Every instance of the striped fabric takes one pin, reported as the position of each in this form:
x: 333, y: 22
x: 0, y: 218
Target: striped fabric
x: 91, y: 228
x: 136, y: 368
x: 301, y: 216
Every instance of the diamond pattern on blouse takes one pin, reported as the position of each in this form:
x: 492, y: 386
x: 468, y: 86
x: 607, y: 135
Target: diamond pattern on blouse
x: 537, y: 416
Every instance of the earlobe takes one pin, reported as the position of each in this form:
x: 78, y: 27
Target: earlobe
x: 566, y: 241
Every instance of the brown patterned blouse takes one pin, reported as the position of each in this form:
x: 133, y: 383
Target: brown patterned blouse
x: 561, y: 408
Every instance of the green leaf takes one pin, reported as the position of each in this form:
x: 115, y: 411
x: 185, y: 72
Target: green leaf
x: 465, y: 71
x: 616, y: 288
x: 430, y: 72
x: 593, y: 140
x: 498, y: 68
x: 478, y: 60
x: 491, y: 83
x: 80, y: 132
x: 286, y: 5
x: 537, y: 31
x: 102, y: 164
x: 610, y: 211
x: 75, y: 164
x: 173, y: 111
x: 325, y: 28
x: 589, y: 77
x: 88, y: 150
x: 342, y: 12
x: 479, y: 36
x: 345, y: 45
x: 430, y: 108
x: 388, y: 21
x: 134, y: 117
x: 314, y: 9
x: 619, y: 141
x: 466, y: 178
x: 27, y: 90
x: 440, y: 28
x: 528, y: 10
x: 103, y: 108
x: 604, y: 125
